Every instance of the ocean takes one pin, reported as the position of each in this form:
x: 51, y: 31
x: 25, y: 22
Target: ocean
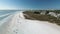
x: 6, y: 14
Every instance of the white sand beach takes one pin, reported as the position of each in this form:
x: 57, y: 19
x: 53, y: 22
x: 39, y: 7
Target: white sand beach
x: 17, y: 24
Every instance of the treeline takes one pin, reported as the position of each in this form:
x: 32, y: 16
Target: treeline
x: 57, y: 11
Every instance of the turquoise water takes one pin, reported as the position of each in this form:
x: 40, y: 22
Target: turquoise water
x: 6, y: 11
x: 5, y: 15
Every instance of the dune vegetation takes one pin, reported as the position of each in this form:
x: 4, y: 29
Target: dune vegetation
x: 35, y: 15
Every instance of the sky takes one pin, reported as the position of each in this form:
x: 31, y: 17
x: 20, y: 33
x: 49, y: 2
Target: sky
x: 29, y: 4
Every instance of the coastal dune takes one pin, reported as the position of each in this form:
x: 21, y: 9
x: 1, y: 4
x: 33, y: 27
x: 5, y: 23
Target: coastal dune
x: 17, y: 24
